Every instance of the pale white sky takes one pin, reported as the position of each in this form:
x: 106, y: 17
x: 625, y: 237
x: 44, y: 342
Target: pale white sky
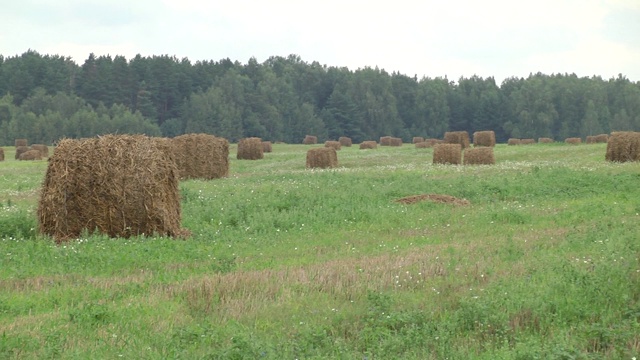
x: 453, y: 38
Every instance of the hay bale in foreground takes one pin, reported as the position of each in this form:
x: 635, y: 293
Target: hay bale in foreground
x: 417, y: 139
x: 201, y: 156
x: 310, y: 140
x: 118, y: 185
x: 44, y: 149
x: 1, y: 154
x: 325, y: 157
x: 20, y: 142
x: 479, y: 156
x: 267, y: 147
x: 20, y: 150
x: 30, y: 155
x: 573, y: 140
x: 545, y: 140
x: 623, y: 147
x: 447, y: 154
x: 369, y: 144
x: 333, y: 144
x: 345, y: 141
x: 514, y: 141
x: 484, y: 138
x: 250, y: 149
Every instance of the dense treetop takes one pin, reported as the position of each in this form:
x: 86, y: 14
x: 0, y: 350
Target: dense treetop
x: 46, y: 97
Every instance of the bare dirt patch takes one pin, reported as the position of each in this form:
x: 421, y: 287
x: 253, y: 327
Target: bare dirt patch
x: 437, y: 198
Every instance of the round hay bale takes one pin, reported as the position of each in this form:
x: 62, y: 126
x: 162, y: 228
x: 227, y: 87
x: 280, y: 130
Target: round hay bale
x: 20, y: 142
x: 573, y: 141
x: 20, y: 150
x: 30, y: 155
x: 417, y: 139
x: 369, y: 144
x: 310, y: 140
x: 601, y: 138
x: 44, y: 149
x: 333, y: 144
x: 324, y: 157
x: 479, y: 156
x: 545, y: 140
x: 1, y: 154
x: 267, y: 147
x: 201, y: 156
x: 447, y: 154
x: 457, y: 137
x: 484, y: 138
x: 514, y: 141
x: 250, y: 149
x: 345, y: 141
x: 623, y: 147
x: 118, y: 185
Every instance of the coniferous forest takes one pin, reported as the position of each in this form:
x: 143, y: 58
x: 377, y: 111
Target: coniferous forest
x: 47, y: 97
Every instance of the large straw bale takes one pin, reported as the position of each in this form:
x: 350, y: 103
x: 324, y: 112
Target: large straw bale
x: 310, y: 140
x: 21, y: 142
x: 118, y: 185
x: 573, y: 140
x: 514, y: 141
x: 20, y: 150
x: 623, y: 146
x: 447, y: 154
x: 479, y: 156
x: 369, y: 144
x: 1, y: 154
x: 457, y: 137
x: 30, y: 155
x: 418, y: 139
x: 345, y: 141
x: 484, y: 138
x: 44, y: 149
x: 545, y: 140
x: 201, y: 156
x: 395, y: 141
x: 527, y: 141
x: 250, y: 149
x: 324, y: 157
x: 267, y: 147
x: 385, y: 140
x: 333, y: 144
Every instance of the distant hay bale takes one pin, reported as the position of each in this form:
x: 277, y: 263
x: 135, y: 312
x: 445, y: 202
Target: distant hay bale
x: 30, y: 155
x: 370, y: 144
x: 345, y: 141
x: 250, y: 149
x: 267, y: 146
x: 482, y: 155
x: 447, y: 154
x: 457, y: 137
x: 21, y: 142
x: 623, y: 146
x: 514, y: 141
x: 324, y: 157
x: 118, y: 185
x: 201, y: 156
x: 20, y: 150
x: 333, y: 144
x: 395, y: 141
x: 44, y: 149
x: 310, y: 140
x: 385, y: 141
x: 417, y: 139
x: 1, y: 154
x: 527, y: 141
x: 431, y: 142
x: 422, y: 145
x: 484, y: 138
x: 597, y: 139
x: 573, y: 141
x: 545, y: 140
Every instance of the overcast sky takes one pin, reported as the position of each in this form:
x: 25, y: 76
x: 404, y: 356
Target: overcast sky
x: 453, y: 38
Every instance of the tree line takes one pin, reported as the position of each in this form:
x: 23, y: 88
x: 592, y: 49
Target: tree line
x: 47, y: 97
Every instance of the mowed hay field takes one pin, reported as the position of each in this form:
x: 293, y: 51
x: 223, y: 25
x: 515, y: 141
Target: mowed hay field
x: 286, y: 262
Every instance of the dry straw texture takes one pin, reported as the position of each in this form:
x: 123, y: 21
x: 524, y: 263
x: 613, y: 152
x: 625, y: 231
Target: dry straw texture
x: 394, y: 141
x: 333, y: 144
x: 385, y: 141
x: 118, y: 185
x: 267, y: 146
x: 479, y: 156
x: 545, y: 140
x: 457, y: 137
x: 447, y: 154
x: 44, y: 149
x: 513, y: 141
x: 21, y: 142
x: 201, y: 156
x: 1, y: 154
x: 573, y: 140
x: 417, y: 139
x: 484, y: 138
x: 432, y: 142
x: 623, y: 147
x: 345, y: 141
x: 30, y: 155
x: 595, y: 139
x: 20, y: 150
x: 422, y: 145
x: 527, y: 141
x: 250, y: 149
x: 370, y: 144
x: 310, y: 140
x: 324, y: 157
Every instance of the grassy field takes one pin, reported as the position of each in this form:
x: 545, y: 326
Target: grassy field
x: 290, y: 263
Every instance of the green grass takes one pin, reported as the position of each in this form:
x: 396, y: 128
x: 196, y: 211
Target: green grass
x: 286, y: 263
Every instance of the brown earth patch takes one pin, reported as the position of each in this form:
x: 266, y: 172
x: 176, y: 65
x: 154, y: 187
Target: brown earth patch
x: 437, y: 198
